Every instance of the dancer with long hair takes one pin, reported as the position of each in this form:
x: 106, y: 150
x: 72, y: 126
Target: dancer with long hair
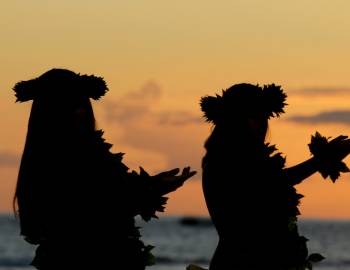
x: 76, y: 199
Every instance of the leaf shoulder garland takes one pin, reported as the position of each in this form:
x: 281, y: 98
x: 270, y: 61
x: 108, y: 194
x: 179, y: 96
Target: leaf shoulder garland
x: 148, y: 202
x: 301, y: 259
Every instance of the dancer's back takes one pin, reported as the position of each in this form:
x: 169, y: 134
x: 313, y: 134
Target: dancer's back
x: 243, y: 202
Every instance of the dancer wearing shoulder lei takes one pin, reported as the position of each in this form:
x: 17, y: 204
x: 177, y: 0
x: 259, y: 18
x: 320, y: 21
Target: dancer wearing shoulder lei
x: 76, y: 199
x: 248, y: 190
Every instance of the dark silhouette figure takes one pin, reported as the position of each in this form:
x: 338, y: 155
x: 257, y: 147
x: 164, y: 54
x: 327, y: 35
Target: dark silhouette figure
x: 249, y: 193
x: 75, y: 199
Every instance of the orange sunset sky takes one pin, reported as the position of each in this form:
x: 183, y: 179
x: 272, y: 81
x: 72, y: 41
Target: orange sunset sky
x: 159, y: 57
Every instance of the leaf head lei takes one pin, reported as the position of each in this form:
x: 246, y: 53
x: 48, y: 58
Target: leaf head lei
x: 244, y: 100
x: 60, y: 83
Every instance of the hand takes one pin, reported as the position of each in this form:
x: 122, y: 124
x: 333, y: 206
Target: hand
x: 340, y: 147
x: 169, y: 181
x: 328, y: 155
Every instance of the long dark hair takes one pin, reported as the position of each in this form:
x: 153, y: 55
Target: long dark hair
x: 239, y: 117
x: 232, y: 137
x: 242, y: 110
x: 55, y: 128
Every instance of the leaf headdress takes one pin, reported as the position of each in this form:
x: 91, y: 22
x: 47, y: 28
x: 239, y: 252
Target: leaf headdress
x: 60, y: 83
x: 244, y: 100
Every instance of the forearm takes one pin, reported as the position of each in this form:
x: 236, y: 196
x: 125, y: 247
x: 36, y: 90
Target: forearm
x: 298, y: 173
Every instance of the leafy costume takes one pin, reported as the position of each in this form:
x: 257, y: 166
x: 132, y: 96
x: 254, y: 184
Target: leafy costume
x: 77, y: 200
x: 139, y: 199
x: 252, y: 204
x: 296, y: 255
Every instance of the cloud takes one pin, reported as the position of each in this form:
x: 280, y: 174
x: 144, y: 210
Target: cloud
x: 179, y: 145
x: 177, y: 118
x: 139, y: 106
x: 175, y: 135
x: 133, y: 105
x: 321, y: 91
x: 150, y: 91
x: 8, y: 159
x: 331, y: 117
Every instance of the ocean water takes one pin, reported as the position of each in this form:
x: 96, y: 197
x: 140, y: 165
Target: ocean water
x: 179, y: 243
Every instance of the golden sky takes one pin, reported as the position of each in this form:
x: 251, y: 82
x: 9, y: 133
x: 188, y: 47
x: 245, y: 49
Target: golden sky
x: 160, y: 57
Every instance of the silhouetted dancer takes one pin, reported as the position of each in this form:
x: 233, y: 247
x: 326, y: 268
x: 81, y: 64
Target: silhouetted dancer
x: 249, y: 193
x: 75, y: 199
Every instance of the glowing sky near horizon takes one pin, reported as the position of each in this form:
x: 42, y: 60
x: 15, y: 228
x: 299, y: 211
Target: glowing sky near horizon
x: 169, y: 54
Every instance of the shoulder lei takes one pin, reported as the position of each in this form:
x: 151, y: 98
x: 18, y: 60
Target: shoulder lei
x: 304, y: 261
x: 148, y: 204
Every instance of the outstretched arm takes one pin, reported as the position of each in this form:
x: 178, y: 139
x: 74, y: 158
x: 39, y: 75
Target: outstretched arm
x: 328, y: 162
x: 298, y: 173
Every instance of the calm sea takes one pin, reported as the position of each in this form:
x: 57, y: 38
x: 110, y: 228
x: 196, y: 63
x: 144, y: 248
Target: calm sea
x: 180, y: 242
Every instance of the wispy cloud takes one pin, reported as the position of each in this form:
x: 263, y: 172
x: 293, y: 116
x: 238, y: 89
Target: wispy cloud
x: 8, y: 159
x: 336, y: 117
x: 133, y: 105
x: 321, y: 91
x: 139, y: 105
x: 175, y: 135
x: 177, y: 118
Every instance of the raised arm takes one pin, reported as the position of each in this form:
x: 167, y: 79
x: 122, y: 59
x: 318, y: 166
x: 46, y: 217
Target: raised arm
x: 298, y: 173
x: 327, y: 159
